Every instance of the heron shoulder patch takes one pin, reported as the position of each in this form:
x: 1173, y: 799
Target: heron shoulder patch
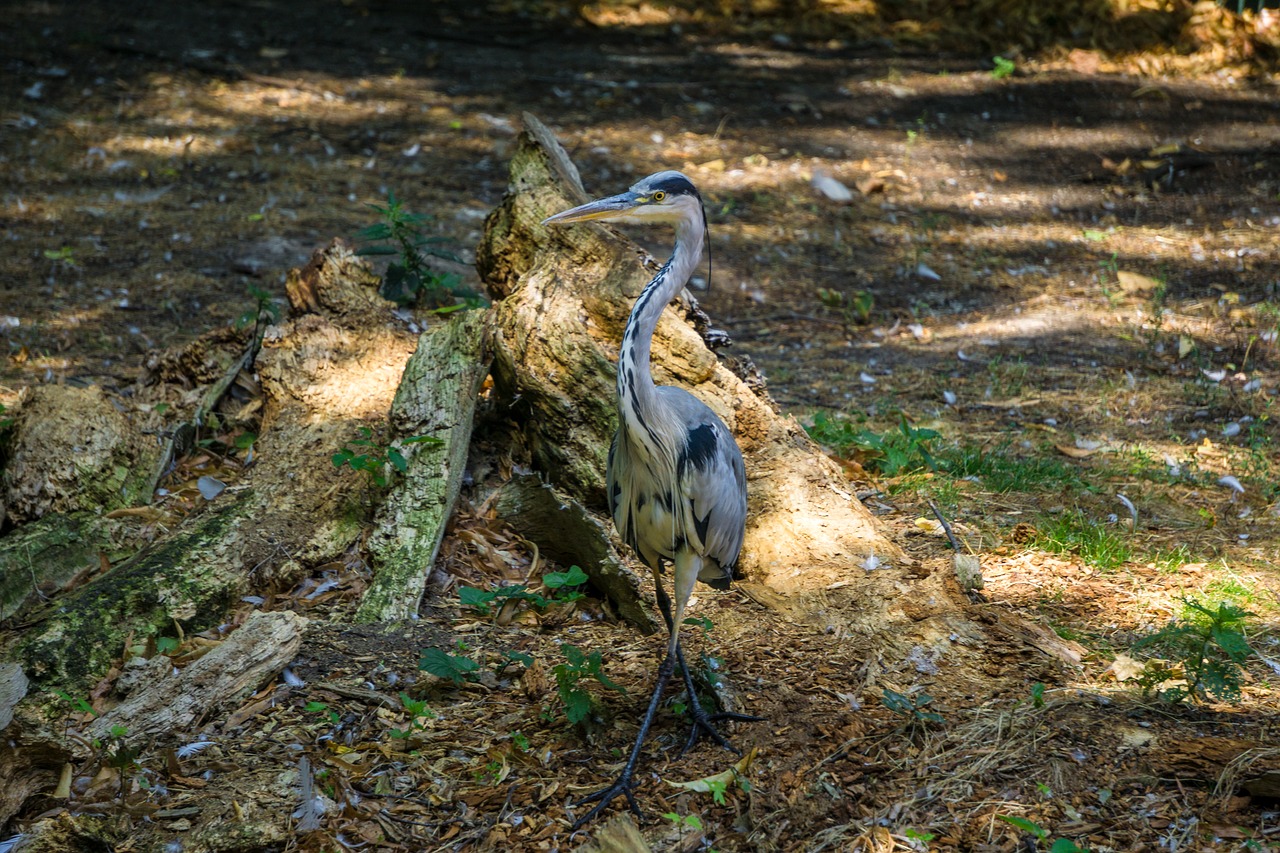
x: 700, y: 446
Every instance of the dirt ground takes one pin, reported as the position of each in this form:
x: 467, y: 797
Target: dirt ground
x: 1072, y: 255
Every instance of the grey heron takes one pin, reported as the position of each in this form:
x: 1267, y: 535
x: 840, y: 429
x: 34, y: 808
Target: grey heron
x: 676, y: 483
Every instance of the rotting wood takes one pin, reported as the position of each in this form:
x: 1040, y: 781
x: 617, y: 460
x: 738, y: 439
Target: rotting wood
x: 72, y: 450
x: 564, y: 531
x: 13, y: 687
x: 48, y: 555
x: 185, y: 579
x: 436, y: 397
x: 31, y: 761
x: 564, y: 298
x: 322, y: 376
x: 250, y: 656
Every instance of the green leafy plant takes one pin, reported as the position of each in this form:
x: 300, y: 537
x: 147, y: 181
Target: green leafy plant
x: 912, y: 707
x: 1039, y: 833
x: 890, y: 453
x: 117, y: 753
x: 456, y: 668
x: 322, y: 708
x: 702, y: 622
x: 692, y: 821
x: 1003, y: 67
x: 66, y: 256
x: 569, y: 675
x: 376, y: 456
x: 853, y: 310
x: 264, y: 311
x: 918, y: 839
x: 78, y: 702
x: 408, y: 278
x: 1211, y: 648
x: 562, y: 585
x: 418, y: 712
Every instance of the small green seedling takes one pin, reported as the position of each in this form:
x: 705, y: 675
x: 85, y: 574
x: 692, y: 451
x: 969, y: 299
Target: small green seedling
x: 418, y: 711
x: 918, y: 839
x: 854, y: 310
x: 456, y: 668
x: 408, y: 278
x: 375, y: 458
x: 1003, y: 67
x: 322, y: 708
x: 911, y: 707
x: 579, y: 665
x: 78, y: 702
x: 263, y: 313
x: 1039, y: 833
x: 562, y: 585
x: 700, y: 622
x: 692, y: 821
x: 1210, y: 645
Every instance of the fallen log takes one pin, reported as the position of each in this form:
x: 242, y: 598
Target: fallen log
x: 322, y: 376
x: 250, y: 656
x: 436, y: 398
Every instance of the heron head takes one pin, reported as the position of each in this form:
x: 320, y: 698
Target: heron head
x: 667, y: 197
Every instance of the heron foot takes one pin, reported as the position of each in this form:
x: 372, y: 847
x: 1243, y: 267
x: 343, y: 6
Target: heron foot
x: 624, y: 785
x: 702, y: 726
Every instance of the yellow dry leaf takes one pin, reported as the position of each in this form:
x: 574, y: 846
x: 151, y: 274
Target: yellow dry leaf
x: 931, y: 526
x: 878, y: 840
x: 1125, y: 668
x: 1185, y: 346
x: 1076, y: 452
x: 720, y: 781
x: 1132, y: 282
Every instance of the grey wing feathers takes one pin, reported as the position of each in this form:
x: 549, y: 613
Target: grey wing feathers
x: 713, y: 482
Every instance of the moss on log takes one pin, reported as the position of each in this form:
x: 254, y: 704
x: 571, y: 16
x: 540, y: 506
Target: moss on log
x: 47, y: 554
x: 183, y: 580
x: 436, y: 397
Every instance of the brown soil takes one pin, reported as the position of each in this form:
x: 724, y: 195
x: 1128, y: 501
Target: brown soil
x: 160, y: 162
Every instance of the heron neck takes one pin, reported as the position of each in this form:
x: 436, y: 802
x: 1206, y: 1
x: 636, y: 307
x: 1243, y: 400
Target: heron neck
x: 636, y: 391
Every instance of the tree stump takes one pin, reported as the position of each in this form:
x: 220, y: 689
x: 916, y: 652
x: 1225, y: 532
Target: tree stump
x: 564, y: 297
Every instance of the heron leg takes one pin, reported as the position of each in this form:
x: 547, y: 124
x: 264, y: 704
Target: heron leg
x: 625, y: 783
x: 702, y: 721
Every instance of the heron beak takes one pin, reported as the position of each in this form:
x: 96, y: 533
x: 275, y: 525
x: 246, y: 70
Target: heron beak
x: 604, y: 208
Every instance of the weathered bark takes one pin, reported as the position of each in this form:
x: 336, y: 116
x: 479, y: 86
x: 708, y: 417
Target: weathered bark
x: 436, y: 397
x: 73, y: 450
x: 253, y: 654
x: 48, y: 554
x: 30, y: 762
x: 190, y: 578
x: 566, y: 294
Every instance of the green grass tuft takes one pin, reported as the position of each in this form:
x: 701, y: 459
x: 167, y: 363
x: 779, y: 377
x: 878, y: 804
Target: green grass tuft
x: 1073, y: 533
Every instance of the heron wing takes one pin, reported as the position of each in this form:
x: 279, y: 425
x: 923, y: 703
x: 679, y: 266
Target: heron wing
x: 712, y: 489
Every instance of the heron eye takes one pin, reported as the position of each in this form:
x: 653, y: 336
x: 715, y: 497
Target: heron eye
x: 659, y: 196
